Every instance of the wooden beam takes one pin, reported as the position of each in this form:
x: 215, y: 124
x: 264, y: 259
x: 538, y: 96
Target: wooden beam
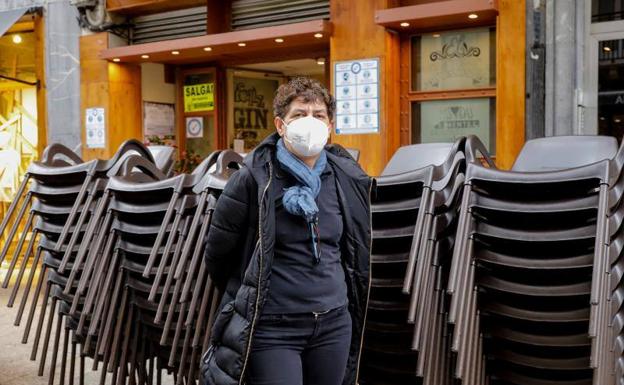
x: 116, y: 88
x: 356, y: 36
x: 42, y: 110
x: 145, y: 7
x: 219, y: 17
x: 438, y: 15
x: 510, y: 79
x: 297, y: 36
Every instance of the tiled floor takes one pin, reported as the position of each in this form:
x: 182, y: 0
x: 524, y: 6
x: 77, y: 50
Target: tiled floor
x: 15, y: 366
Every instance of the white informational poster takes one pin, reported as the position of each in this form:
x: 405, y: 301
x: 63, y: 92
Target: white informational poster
x: 95, y: 127
x: 158, y: 119
x: 195, y: 127
x: 357, y: 96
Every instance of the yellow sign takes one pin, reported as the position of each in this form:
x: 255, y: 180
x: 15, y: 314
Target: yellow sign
x: 199, y: 97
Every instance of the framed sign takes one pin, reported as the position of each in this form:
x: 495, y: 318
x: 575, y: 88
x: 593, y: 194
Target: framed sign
x: 451, y: 60
x: 199, y: 97
x: 357, y: 96
x: 448, y: 120
x: 158, y: 120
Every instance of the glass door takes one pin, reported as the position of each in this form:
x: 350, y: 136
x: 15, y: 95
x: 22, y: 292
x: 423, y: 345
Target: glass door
x: 197, y: 119
x: 604, y: 98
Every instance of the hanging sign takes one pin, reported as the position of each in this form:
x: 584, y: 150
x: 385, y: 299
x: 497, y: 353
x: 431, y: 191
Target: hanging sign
x: 199, y: 97
x: 95, y: 127
x: 357, y: 96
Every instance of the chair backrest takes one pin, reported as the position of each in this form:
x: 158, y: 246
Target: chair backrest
x: 415, y: 156
x: 163, y: 157
x: 354, y: 152
x: 561, y: 152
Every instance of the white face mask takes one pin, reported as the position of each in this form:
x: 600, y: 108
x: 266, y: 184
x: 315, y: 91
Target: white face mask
x: 307, y: 136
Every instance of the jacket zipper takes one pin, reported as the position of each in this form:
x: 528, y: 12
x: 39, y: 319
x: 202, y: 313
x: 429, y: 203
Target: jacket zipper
x: 253, y: 320
x: 370, y: 269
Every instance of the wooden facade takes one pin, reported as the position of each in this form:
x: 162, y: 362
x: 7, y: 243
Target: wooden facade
x: 356, y: 29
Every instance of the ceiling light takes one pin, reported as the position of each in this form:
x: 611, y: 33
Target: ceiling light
x: 436, y: 35
x: 318, y: 35
x: 175, y: 52
x: 320, y: 61
x: 404, y: 24
x: 473, y: 16
x: 606, y: 48
x: 602, y: 118
x: 617, y: 120
x: 17, y: 39
x: 207, y: 49
x: 145, y: 56
x: 116, y: 60
x: 279, y: 40
x: 242, y: 44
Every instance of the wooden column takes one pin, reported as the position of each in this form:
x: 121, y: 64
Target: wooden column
x: 510, y: 78
x: 114, y: 86
x: 356, y: 36
x: 42, y: 115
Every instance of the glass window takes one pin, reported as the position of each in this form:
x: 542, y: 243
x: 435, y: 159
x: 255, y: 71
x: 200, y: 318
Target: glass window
x: 607, y: 10
x: 611, y: 88
x: 250, y: 108
x: 460, y: 59
x: 446, y: 120
x: 202, y: 128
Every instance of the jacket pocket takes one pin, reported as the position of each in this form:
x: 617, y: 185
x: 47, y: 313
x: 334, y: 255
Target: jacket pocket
x: 221, y: 321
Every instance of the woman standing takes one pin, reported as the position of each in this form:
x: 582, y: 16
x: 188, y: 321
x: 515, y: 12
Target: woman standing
x: 289, y: 244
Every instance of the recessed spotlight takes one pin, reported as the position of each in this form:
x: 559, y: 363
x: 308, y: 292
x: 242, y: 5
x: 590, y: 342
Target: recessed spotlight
x: 404, y: 24
x: 116, y: 60
x: 279, y: 40
x: 473, y: 16
x: 145, y: 56
x: 606, y: 48
x: 436, y: 35
x: 17, y: 39
x: 617, y: 120
x: 318, y: 35
x: 320, y: 61
x: 242, y: 44
x: 602, y: 118
x: 207, y: 49
x: 175, y: 52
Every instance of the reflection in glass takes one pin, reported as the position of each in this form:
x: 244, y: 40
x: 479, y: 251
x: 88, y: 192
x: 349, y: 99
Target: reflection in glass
x: 611, y: 88
x: 447, y: 120
x: 203, y: 144
x: 607, y: 10
x: 451, y: 60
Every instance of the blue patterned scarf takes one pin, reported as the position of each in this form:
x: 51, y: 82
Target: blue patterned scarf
x: 300, y: 199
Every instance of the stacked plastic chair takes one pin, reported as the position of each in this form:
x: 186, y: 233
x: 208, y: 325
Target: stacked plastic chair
x: 407, y: 214
x: 141, y: 267
x: 59, y: 188
x: 530, y: 277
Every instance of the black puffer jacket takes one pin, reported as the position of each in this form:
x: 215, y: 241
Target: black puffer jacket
x: 239, y: 255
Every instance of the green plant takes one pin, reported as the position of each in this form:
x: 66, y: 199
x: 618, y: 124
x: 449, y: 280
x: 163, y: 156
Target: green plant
x: 187, y: 162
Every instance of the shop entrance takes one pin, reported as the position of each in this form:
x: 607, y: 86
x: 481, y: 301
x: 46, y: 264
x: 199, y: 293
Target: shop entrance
x: 232, y: 106
x: 20, y: 78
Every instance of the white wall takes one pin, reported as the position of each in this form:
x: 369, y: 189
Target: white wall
x: 153, y: 86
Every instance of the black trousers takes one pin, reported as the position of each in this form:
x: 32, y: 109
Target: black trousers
x: 300, y: 349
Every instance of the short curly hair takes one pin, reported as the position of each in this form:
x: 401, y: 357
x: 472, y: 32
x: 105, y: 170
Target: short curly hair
x: 309, y: 90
